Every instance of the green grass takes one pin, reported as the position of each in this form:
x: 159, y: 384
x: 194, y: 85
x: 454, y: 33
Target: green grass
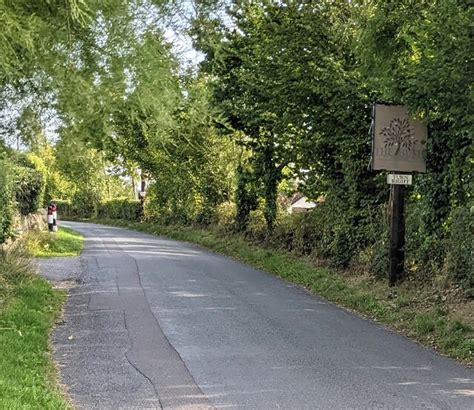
x: 29, y: 307
x: 405, y: 308
x: 65, y: 242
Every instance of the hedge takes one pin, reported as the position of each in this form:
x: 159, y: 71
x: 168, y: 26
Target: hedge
x: 29, y: 189
x: 350, y: 240
x: 127, y: 209
x: 21, y: 191
x: 7, y: 208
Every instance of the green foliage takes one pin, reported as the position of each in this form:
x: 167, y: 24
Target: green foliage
x: 31, y: 29
x: 328, y: 233
x: 420, y: 53
x: 85, y: 203
x: 283, y: 94
x: 29, y: 189
x: 459, y: 262
x: 65, y: 242
x: 297, y: 80
x: 256, y: 228
x: 45, y: 161
x: 193, y: 172
x: 226, y: 216
x: 125, y: 209
x: 7, y: 209
x: 122, y: 208
x: 21, y: 191
x: 171, y: 200
x: 246, y: 198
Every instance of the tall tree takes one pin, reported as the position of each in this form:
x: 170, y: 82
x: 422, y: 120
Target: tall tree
x: 286, y: 78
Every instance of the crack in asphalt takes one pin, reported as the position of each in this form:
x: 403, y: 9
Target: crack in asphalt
x: 158, y: 326
x: 133, y: 365
x: 94, y: 349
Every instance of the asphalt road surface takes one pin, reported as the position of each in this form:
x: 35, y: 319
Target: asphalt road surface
x: 159, y: 323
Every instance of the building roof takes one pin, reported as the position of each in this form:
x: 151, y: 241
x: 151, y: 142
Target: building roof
x: 304, y: 203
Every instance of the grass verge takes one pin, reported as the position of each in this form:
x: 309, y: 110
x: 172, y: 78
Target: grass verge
x: 29, y: 307
x: 422, y: 313
x: 65, y: 242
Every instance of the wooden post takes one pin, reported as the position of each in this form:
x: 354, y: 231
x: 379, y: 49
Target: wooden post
x: 397, y: 233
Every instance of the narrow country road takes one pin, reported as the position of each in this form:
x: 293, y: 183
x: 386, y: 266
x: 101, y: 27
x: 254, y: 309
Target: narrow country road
x: 159, y: 323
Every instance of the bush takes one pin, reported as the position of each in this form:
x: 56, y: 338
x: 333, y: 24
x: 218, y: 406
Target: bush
x: 126, y: 209
x: 372, y: 254
x: 206, y: 216
x: 298, y: 232
x: 337, y: 233
x: 284, y: 232
x: 84, y: 204
x: 225, y: 216
x: 162, y: 207
x: 256, y: 226
x: 459, y: 263
x: 29, y: 189
x: 7, y: 209
x: 327, y: 232
x: 309, y: 232
x: 21, y: 192
x: 425, y: 248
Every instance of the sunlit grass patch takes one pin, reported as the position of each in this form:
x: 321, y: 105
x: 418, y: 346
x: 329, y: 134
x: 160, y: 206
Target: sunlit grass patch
x: 65, y: 242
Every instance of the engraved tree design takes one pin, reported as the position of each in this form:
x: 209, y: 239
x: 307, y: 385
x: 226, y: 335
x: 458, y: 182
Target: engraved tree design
x: 399, y: 133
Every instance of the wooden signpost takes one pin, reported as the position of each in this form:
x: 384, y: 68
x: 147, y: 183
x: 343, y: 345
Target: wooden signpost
x: 398, y: 146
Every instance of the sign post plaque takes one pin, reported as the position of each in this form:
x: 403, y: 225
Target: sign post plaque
x: 399, y: 179
x: 398, y: 145
x: 398, y: 140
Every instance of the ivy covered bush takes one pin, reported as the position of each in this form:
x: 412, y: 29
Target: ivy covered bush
x: 21, y: 192
x: 459, y: 261
x: 29, y: 189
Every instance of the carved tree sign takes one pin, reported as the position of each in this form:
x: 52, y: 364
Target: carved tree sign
x: 398, y: 140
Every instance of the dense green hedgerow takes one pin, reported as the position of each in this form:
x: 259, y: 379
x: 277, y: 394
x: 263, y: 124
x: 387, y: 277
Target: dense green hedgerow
x: 21, y: 191
x: 337, y: 234
x: 29, y: 189
x: 126, y: 209
x: 7, y: 209
x: 459, y: 262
